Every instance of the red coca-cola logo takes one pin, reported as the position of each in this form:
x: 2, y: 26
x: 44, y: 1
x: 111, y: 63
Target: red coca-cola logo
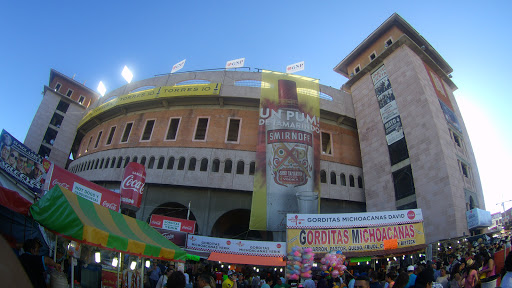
x: 62, y: 184
x: 130, y: 183
x: 278, y: 245
x: 158, y: 223
x: 411, y: 215
x: 228, y: 242
x: 111, y: 206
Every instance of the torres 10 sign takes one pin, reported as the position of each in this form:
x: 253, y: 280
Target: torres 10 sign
x: 132, y: 185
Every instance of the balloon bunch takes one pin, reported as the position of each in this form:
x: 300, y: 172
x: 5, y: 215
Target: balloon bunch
x: 307, y: 263
x: 333, y: 263
x: 294, y: 263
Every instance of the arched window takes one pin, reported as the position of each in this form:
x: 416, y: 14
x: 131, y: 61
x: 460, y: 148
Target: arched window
x: 96, y: 165
x: 228, y: 166
x: 113, y: 164
x: 143, y: 160
x: 323, y: 176
x: 160, y: 164
x: 333, y: 178
x: 351, y: 180
x: 215, y: 165
x: 240, y: 167
x: 360, y: 182
x: 135, y: 159
x: 252, y: 168
x: 192, y: 164
x: 181, y: 163
x: 204, y: 165
x: 170, y: 163
x: 119, y: 161
x: 471, y: 203
x: 343, y: 179
x: 126, y: 161
x: 151, y: 162
x: 101, y: 163
x: 106, y: 163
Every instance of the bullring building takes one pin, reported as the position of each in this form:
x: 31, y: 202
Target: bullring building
x: 392, y: 137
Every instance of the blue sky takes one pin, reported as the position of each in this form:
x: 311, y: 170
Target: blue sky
x: 93, y: 40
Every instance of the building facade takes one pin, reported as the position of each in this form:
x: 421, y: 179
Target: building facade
x: 199, y: 148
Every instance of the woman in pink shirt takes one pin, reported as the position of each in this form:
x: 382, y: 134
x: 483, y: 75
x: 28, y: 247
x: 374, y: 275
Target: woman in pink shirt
x: 471, y: 276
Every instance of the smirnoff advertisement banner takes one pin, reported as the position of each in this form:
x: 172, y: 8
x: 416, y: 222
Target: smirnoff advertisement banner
x: 388, y: 107
x: 237, y: 63
x: 347, y: 220
x: 173, y: 224
x: 22, y: 164
x: 178, y: 66
x: 296, y: 67
x: 287, y: 153
x: 132, y: 185
x: 235, y: 246
x: 83, y: 188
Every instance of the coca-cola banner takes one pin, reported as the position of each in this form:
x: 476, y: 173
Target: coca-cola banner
x: 178, y: 238
x: 173, y: 224
x: 236, y: 246
x: 288, y: 150
x: 83, y: 188
x: 22, y: 164
x: 132, y: 185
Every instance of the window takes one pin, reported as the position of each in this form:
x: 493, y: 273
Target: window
x: 343, y: 179
x: 372, y: 56
x: 63, y: 106
x: 119, y: 161
x: 57, y: 120
x: 148, y: 130
x: 126, y: 133
x: 57, y: 86
x: 143, y: 161
x: 465, y: 169
x: 252, y: 168
x: 240, y: 167
x: 81, y: 99
x: 88, y: 145
x: 351, y: 180
x: 69, y: 93
x: 151, y: 162
x: 323, y: 176
x: 102, y: 161
x: 98, y: 140
x: 357, y: 69
x: 135, y: 159
x: 201, y: 129
x: 360, y: 182
x: 326, y: 143
x: 172, y: 130
x: 170, y: 163
x: 181, y: 163
x: 160, y: 164
x: 113, y: 164
x: 333, y: 178
x: 457, y: 139
x: 228, y: 166
x: 215, y: 165
x: 49, y: 136
x: 233, y: 132
x: 111, y: 135
x: 388, y: 42
x: 192, y: 164
x: 96, y: 164
x: 126, y: 161
x: 44, y: 151
x: 204, y: 165
x: 106, y: 163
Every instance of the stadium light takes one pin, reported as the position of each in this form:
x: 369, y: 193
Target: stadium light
x: 127, y: 74
x: 102, y: 89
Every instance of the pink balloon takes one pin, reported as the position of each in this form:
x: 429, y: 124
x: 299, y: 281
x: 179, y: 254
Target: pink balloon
x: 322, y: 261
x: 324, y: 267
x: 335, y: 273
x: 343, y: 268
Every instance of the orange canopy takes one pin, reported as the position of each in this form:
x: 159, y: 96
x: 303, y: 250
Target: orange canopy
x: 243, y: 259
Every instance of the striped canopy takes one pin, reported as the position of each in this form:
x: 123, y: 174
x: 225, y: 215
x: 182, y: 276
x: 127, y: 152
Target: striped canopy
x: 76, y: 218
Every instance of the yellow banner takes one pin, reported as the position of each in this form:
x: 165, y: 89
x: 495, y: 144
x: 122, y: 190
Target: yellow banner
x: 151, y: 94
x: 355, y: 239
x: 288, y: 149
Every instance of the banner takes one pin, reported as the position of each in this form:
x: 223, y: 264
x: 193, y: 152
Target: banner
x: 22, y: 164
x: 237, y: 63
x: 83, y: 188
x: 288, y: 151
x: 295, y: 67
x: 173, y: 224
x: 387, y: 104
x: 155, y: 93
x: 348, y: 220
x: 355, y: 239
x: 132, y: 186
x: 178, y: 238
x: 178, y: 66
x: 235, y: 246
x: 478, y: 218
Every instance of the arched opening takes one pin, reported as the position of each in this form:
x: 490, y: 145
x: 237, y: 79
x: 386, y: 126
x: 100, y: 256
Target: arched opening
x: 333, y: 178
x: 192, y: 164
x: 204, y: 165
x: 215, y: 165
x: 323, y: 176
x: 160, y: 164
x: 343, y: 179
x: 170, y: 163
x: 235, y: 225
x: 151, y: 163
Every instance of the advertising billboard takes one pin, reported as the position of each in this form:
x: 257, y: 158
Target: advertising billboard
x: 22, y: 164
x: 236, y: 246
x: 478, y: 218
x: 132, y: 185
x: 83, y: 188
x: 174, y: 229
x: 287, y: 153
